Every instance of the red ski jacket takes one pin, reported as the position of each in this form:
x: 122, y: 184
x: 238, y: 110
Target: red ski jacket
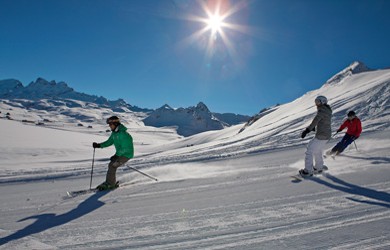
x: 354, y: 127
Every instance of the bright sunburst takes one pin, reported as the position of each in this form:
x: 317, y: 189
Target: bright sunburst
x: 216, y: 11
x: 217, y: 35
x: 216, y: 14
x: 215, y: 23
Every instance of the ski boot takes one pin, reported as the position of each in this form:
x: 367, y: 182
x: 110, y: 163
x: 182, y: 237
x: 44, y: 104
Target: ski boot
x: 304, y: 173
x: 107, y: 186
x: 320, y: 170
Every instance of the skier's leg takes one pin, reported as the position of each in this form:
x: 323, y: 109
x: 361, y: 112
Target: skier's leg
x: 309, y: 156
x: 347, y: 140
x: 339, y: 146
x: 317, y: 151
x: 334, y: 149
x: 116, y: 161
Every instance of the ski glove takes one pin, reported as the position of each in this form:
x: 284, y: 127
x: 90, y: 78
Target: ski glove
x: 339, y: 130
x: 304, y: 133
x: 95, y: 145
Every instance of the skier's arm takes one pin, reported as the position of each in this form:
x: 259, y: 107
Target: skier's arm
x: 107, y: 143
x: 343, y: 126
x: 315, y: 121
x: 312, y: 125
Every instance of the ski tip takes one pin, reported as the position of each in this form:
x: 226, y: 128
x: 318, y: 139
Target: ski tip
x: 296, y: 178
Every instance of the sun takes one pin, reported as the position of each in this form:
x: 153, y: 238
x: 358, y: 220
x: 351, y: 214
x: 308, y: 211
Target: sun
x: 218, y: 32
x: 215, y: 23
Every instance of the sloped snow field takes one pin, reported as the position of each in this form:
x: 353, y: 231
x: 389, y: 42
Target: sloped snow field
x: 216, y: 190
x: 243, y: 202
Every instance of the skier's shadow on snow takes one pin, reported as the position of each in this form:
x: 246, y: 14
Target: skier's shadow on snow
x: 49, y: 220
x: 374, y: 160
x: 380, y: 198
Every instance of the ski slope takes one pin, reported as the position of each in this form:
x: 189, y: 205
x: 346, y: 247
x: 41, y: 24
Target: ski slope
x: 246, y: 202
x: 216, y: 190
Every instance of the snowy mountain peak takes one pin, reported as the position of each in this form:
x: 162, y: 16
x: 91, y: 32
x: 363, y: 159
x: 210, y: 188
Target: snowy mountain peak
x: 9, y: 85
x: 41, y: 82
x: 202, y: 107
x: 165, y: 107
x: 41, y: 89
x: 192, y: 120
x: 358, y: 67
x: 354, y: 68
x: 46, y: 88
x: 189, y: 121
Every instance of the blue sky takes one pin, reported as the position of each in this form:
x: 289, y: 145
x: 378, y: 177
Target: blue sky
x: 152, y: 52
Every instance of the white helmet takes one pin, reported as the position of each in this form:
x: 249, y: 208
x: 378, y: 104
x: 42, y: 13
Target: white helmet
x: 321, y: 99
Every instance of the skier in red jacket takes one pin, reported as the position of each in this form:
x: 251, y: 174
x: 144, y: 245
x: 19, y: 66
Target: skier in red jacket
x: 354, y: 129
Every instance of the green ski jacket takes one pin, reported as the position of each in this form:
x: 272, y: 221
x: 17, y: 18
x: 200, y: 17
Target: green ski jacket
x: 122, y: 141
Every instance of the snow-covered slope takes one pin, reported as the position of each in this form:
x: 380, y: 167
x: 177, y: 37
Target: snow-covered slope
x: 230, y: 118
x: 216, y: 190
x: 367, y: 93
x: 242, y: 202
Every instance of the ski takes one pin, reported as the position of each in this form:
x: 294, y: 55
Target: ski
x: 332, y: 156
x: 299, y: 177
x: 324, y: 168
x: 71, y: 194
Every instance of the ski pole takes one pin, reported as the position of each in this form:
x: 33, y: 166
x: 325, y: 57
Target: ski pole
x: 93, y: 161
x: 355, y: 146
x: 332, y: 137
x: 151, y: 177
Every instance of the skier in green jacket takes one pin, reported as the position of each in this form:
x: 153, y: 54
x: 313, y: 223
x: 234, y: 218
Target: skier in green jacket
x: 123, y: 143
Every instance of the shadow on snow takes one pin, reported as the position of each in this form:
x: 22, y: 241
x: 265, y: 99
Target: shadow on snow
x: 380, y: 198
x: 49, y: 220
x: 373, y: 160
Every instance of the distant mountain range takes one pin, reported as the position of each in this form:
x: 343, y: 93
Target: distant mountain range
x: 43, y: 89
x: 44, y: 100
x: 52, y: 96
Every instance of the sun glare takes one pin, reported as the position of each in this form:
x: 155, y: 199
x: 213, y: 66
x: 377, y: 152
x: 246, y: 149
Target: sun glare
x: 218, y: 32
x: 215, y: 23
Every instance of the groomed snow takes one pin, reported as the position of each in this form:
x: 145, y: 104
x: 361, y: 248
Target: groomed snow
x: 244, y: 202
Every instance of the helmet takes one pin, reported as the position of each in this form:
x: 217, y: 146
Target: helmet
x: 351, y: 113
x: 113, y: 120
x: 321, y: 99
